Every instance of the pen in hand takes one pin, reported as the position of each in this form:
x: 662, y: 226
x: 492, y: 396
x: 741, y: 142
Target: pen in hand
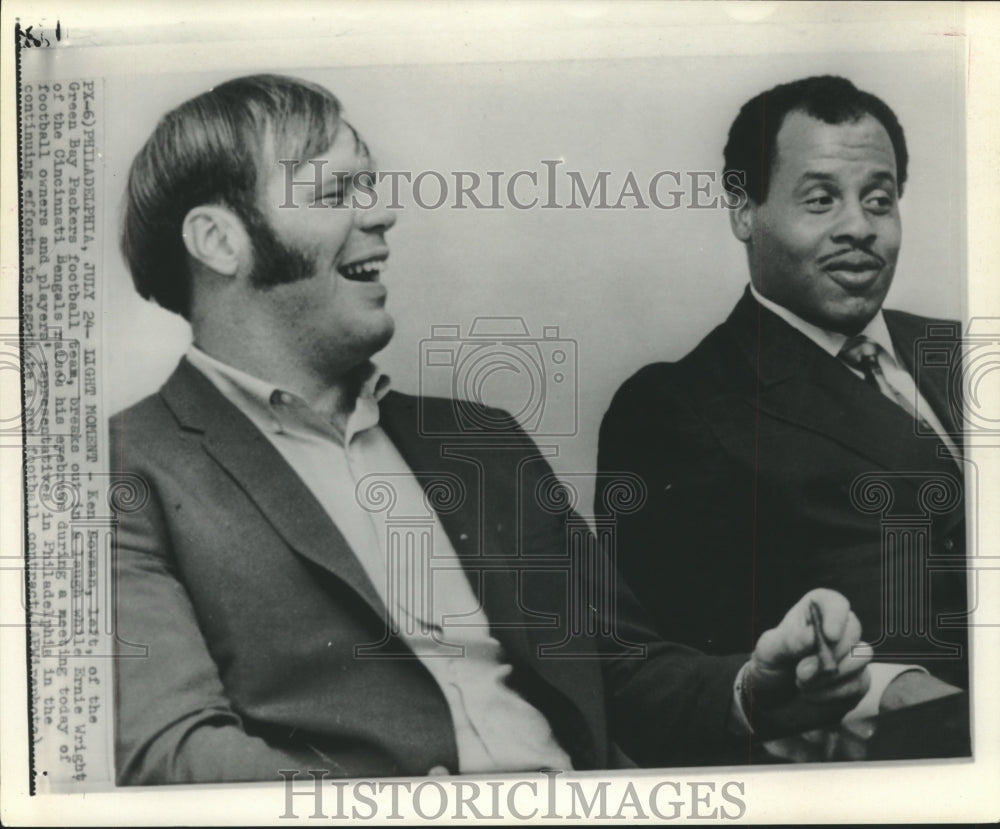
x: 827, y: 661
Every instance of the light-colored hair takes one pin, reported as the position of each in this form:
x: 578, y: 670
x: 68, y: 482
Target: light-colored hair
x: 214, y: 149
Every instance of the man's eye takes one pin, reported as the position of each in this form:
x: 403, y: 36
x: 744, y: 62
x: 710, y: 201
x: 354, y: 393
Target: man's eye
x: 819, y: 202
x: 332, y: 198
x: 880, y: 203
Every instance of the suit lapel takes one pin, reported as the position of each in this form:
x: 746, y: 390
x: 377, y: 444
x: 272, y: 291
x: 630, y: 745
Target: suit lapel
x: 933, y: 384
x: 499, y: 589
x: 250, y: 459
x: 800, y: 383
x: 428, y: 457
x: 286, y: 502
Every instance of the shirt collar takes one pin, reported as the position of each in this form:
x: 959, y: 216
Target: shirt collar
x: 830, y: 341
x: 269, y: 405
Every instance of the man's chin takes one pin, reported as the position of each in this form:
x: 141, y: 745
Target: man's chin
x: 851, y: 321
x: 357, y: 355
x: 382, y: 336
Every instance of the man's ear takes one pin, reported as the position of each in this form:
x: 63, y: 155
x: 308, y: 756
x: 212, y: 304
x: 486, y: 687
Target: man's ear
x: 215, y: 236
x: 743, y: 219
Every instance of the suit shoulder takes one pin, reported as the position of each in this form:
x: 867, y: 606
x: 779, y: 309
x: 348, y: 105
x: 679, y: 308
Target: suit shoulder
x: 148, y: 411
x: 691, y: 374
x: 914, y: 326
x: 450, y: 414
x: 143, y: 429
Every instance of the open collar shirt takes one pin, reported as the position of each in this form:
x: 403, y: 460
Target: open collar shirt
x: 432, y: 609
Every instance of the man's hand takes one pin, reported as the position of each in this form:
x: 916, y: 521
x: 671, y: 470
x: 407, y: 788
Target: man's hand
x: 800, y: 677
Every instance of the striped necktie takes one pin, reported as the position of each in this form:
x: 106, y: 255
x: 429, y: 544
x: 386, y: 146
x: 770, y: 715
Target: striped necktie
x: 862, y: 354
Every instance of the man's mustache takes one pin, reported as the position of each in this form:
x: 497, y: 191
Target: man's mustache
x: 853, y: 257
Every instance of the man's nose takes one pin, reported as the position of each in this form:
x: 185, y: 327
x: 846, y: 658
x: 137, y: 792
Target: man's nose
x: 855, y: 225
x: 374, y: 219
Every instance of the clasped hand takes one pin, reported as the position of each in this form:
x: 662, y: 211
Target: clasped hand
x: 798, y: 678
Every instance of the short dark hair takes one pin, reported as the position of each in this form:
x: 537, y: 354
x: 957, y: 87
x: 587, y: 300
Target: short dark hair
x: 750, y: 150
x: 211, y: 150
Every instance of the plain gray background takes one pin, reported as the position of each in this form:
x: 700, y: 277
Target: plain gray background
x: 626, y: 287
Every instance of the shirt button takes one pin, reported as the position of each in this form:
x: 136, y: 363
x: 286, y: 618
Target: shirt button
x: 437, y: 771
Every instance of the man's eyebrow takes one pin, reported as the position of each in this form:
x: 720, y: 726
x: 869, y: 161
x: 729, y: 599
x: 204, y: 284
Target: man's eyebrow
x: 336, y: 176
x: 884, y: 175
x: 818, y: 175
x: 359, y: 143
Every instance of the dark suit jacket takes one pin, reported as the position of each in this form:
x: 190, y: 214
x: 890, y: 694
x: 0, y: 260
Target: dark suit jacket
x: 251, y: 604
x: 749, y: 447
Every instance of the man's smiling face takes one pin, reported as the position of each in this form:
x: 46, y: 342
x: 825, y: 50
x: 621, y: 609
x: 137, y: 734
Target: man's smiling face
x: 825, y: 241
x: 336, y: 312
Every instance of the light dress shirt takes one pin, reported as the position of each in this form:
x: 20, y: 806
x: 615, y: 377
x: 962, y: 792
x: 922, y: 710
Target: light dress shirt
x: 496, y: 729
x: 882, y: 673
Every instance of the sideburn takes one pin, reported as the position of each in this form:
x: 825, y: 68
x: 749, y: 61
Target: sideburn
x: 274, y: 262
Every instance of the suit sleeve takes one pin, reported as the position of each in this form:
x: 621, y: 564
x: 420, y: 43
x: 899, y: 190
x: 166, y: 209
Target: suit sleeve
x: 673, y: 706
x: 667, y: 704
x: 174, y: 722
x: 687, y: 550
